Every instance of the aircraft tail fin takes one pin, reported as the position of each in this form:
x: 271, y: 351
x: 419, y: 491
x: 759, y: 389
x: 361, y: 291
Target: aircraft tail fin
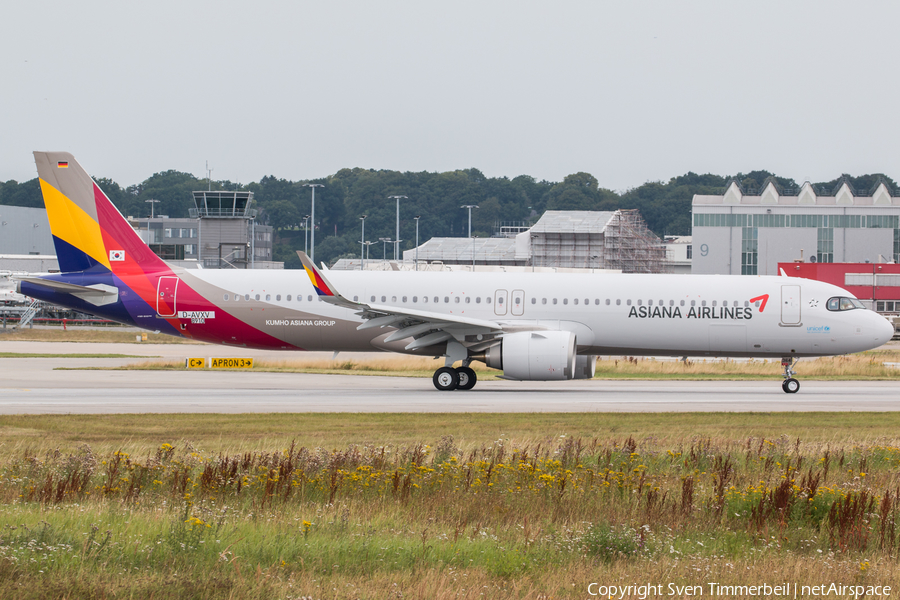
x: 89, y: 233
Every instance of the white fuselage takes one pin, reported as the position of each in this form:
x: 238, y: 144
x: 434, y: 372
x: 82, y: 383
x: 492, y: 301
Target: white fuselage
x: 691, y: 315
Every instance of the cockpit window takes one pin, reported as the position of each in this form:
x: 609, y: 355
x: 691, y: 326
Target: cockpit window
x: 836, y: 304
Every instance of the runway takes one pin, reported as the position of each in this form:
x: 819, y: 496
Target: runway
x: 36, y: 386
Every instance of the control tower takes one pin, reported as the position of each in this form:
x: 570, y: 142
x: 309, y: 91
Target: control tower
x: 229, y: 235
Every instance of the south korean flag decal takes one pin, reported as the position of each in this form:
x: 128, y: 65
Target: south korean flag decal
x: 116, y: 255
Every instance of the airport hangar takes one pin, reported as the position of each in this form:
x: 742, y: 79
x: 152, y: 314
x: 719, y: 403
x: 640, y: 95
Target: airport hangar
x: 744, y: 234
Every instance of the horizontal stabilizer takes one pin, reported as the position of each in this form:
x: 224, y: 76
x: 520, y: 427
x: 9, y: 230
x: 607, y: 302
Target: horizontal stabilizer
x: 99, y: 294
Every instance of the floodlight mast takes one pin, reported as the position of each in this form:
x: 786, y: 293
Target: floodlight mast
x: 362, y: 244
x: 397, y: 236
x: 306, y: 234
x: 312, y: 211
x: 417, y: 241
x: 470, y: 207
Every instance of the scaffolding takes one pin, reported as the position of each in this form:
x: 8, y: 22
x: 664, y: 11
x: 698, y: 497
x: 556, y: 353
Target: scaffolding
x: 631, y: 247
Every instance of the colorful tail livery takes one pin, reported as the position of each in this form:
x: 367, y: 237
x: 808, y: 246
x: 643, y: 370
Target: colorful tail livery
x: 89, y: 233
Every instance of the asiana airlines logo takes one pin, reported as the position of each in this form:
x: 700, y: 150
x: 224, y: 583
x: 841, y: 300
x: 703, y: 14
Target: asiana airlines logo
x: 700, y: 312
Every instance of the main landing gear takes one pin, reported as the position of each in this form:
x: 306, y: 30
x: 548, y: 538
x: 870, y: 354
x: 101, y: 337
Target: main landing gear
x: 447, y: 378
x: 790, y: 385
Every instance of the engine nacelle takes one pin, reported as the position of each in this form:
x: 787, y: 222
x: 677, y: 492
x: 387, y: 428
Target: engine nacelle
x: 585, y: 366
x: 534, y: 355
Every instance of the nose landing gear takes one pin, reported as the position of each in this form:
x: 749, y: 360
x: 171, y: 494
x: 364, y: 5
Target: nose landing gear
x: 790, y: 385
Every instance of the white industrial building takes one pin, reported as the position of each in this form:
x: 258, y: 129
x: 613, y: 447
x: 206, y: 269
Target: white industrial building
x: 750, y: 234
x: 613, y: 240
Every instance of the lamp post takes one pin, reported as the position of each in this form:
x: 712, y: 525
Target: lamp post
x: 397, y: 236
x: 312, y: 212
x: 384, y: 243
x: 362, y: 244
x: 367, y: 244
x: 306, y: 234
x: 470, y: 207
x: 417, y: 242
x: 152, y: 203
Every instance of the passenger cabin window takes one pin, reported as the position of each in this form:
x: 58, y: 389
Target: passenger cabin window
x: 257, y: 296
x: 446, y: 299
x: 384, y: 298
x: 373, y: 299
x: 500, y: 300
x: 268, y: 297
x: 246, y: 296
x: 618, y: 302
x: 309, y: 298
x: 478, y: 300
x: 554, y: 301
x: 436, y: 300
x: 278, y: 297
x: 415, y: 299
x: 288, y: 298
x: 468, y: 299
x: 565, y: 300
x: 543, y: 301
x: 226, y: 297
x: 534, y: 300
x: 237, y: 298
x: 628, y: 302
x: 607, y: 301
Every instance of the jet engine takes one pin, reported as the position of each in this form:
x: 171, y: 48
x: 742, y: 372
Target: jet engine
x: 536, y: 356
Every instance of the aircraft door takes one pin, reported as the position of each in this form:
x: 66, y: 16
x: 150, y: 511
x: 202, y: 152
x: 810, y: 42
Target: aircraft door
x: 517, y: 303
x: 165, y: 296
x: 500, y: 302
x: 790, y: 304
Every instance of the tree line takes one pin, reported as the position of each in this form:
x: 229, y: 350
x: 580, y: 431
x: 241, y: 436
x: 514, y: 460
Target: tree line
x: 435, y: 197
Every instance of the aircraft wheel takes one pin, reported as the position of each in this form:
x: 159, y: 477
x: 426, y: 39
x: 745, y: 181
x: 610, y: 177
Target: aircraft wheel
x: 790, y: 386
x: 467, y: 378
x: 446, y: 379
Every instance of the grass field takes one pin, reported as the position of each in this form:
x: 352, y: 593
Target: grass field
x: 443, y: 506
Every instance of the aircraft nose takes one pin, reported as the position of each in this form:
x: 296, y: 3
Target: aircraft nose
x: 885, y: 331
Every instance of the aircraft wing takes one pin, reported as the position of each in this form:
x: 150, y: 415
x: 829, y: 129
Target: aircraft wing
x: 425, y: 327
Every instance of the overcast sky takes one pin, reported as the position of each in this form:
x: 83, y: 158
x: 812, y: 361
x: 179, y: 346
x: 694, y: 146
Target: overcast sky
x: 628, y: 91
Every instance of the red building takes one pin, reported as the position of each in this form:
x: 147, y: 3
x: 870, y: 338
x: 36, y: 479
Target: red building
x: 876, y: 284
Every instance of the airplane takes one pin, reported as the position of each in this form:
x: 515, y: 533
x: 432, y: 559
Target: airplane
x: 532, y: 326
